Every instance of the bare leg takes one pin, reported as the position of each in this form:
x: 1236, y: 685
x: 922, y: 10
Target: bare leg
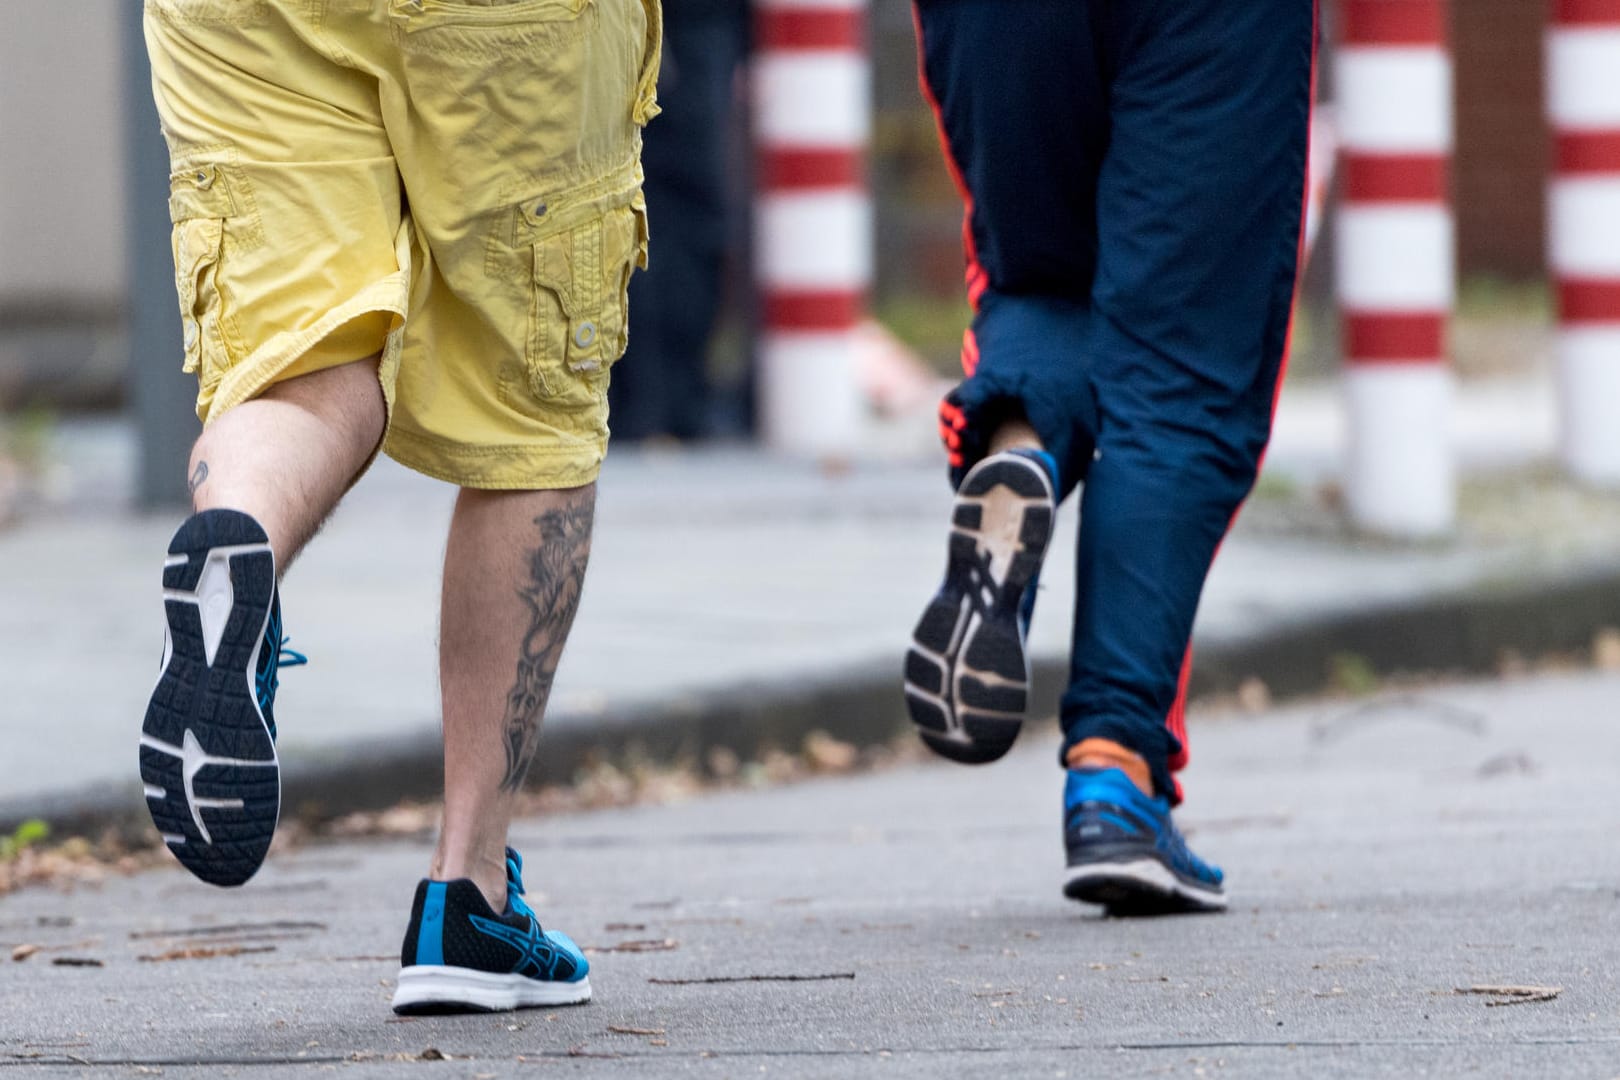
x: 288, y: 456
x: 1015, y: 435
x: 513, y: 570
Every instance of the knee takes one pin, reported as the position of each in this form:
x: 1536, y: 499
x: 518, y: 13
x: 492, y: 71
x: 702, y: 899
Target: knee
x: 348, y: 399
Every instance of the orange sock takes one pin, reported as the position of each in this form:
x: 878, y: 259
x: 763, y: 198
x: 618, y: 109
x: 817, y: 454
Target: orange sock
x: 1108, y: 754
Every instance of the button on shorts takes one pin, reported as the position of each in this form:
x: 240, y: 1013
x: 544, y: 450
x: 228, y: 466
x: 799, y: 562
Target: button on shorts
x: 455, y: 184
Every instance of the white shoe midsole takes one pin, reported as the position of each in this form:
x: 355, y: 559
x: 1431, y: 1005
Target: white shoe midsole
x: 1149, y: 872
x: 435, y: 984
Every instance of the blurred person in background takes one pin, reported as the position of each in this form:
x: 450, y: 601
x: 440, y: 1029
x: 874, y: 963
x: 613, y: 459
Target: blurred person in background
x: 663, y: 390
x: 405, y: 227
x: 1134, y: 173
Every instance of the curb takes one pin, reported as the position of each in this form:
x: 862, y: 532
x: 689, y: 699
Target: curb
x: 1460, y: 633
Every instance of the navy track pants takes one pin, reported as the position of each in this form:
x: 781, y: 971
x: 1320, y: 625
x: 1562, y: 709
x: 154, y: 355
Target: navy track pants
x: 1135, y: 177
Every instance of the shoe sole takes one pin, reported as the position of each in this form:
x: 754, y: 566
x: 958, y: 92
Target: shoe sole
x: 434, y: 988
x: 1139, y: 887
x: 967, y: 675
x: 213, y: 782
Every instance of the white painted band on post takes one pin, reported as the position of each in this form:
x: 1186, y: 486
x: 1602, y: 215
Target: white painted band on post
x: 813, y: 99
x: 815, y: 239
x: 1396, y: 257
x: 807, y: 392
x: 1399, y: 479
x: 1589, y: 399
x: 1394, y: 100
x: 1584, y: 225
x: 1583, y: 77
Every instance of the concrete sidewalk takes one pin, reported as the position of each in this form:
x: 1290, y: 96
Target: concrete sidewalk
x: 717, y: 576
x: 1382, y: 855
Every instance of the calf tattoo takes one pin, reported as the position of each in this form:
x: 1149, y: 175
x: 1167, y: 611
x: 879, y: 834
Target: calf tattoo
x: 556, y: 574
x: 198, y: 475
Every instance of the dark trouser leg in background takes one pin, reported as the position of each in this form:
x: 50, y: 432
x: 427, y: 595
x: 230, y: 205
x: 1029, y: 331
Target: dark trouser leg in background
x: 660, y: 387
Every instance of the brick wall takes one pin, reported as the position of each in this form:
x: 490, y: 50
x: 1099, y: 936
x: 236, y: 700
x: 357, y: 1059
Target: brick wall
x: 1501, y: 137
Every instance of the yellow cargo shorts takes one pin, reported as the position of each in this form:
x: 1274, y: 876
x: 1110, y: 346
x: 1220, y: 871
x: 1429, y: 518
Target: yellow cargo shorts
x: 453, y: 183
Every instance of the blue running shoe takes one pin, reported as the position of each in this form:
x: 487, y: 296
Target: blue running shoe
x: 459, y: 956
x: 967, y: 674
x: 208, y: 751
x: 1125, y: 852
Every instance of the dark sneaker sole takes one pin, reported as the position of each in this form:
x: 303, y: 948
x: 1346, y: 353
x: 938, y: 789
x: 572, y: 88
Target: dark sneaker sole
x: 434, y: 989
x: 967, y: 678
x: 213, y: 783
x: 1141, y: 886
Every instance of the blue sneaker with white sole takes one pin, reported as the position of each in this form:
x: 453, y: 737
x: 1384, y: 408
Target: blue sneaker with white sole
x: 1125, y: 852
x: 460, y: 956
x: 207, y: 749
x: 967, y: 671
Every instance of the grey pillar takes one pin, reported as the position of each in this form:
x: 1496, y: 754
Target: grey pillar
x: 161, y: 397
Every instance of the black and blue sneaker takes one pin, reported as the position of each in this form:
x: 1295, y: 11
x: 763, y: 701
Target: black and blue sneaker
x: 967, y: 673
x: 1126, y: 854
x: 208, y: 751
x: 460, y: 956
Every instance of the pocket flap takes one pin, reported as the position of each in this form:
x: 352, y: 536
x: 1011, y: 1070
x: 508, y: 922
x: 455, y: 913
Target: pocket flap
x: 201, y: 190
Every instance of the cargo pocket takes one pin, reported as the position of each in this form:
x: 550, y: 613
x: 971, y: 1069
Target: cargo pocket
x: 200, y: 202
x: 578, y: 319
x: 646, y: 106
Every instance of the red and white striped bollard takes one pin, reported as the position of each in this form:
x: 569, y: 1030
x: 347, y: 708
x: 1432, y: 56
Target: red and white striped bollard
x: 1396, y: 264
x: 813, y: 219
x: 1583, y: 105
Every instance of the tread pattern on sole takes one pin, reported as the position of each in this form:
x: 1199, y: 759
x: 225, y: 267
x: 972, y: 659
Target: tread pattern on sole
x: 207, y: 760
x: 966, y: 673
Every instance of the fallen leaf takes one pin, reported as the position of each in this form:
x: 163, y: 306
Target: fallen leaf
x: 229, y: 929
x: 77, y: 961
x: 23, y: 952
x: 1254, y: 695
x: 1513, y: 995
x: 648, y: 945
x: 1606, y: 649
x: 617, y: 1030
x: 203, y: 952
x: 751, y: 978
x: 827, y: 754
x: 433, y: 1053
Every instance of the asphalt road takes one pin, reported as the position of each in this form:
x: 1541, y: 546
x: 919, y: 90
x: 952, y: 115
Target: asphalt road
x: 1382, y: 854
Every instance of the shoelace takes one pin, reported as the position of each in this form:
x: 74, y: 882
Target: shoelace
x: 268, y: 681
x: 514, y: 885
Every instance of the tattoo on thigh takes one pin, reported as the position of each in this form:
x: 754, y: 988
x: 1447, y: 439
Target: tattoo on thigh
x: 556, y: 574
x: 198, y: 475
